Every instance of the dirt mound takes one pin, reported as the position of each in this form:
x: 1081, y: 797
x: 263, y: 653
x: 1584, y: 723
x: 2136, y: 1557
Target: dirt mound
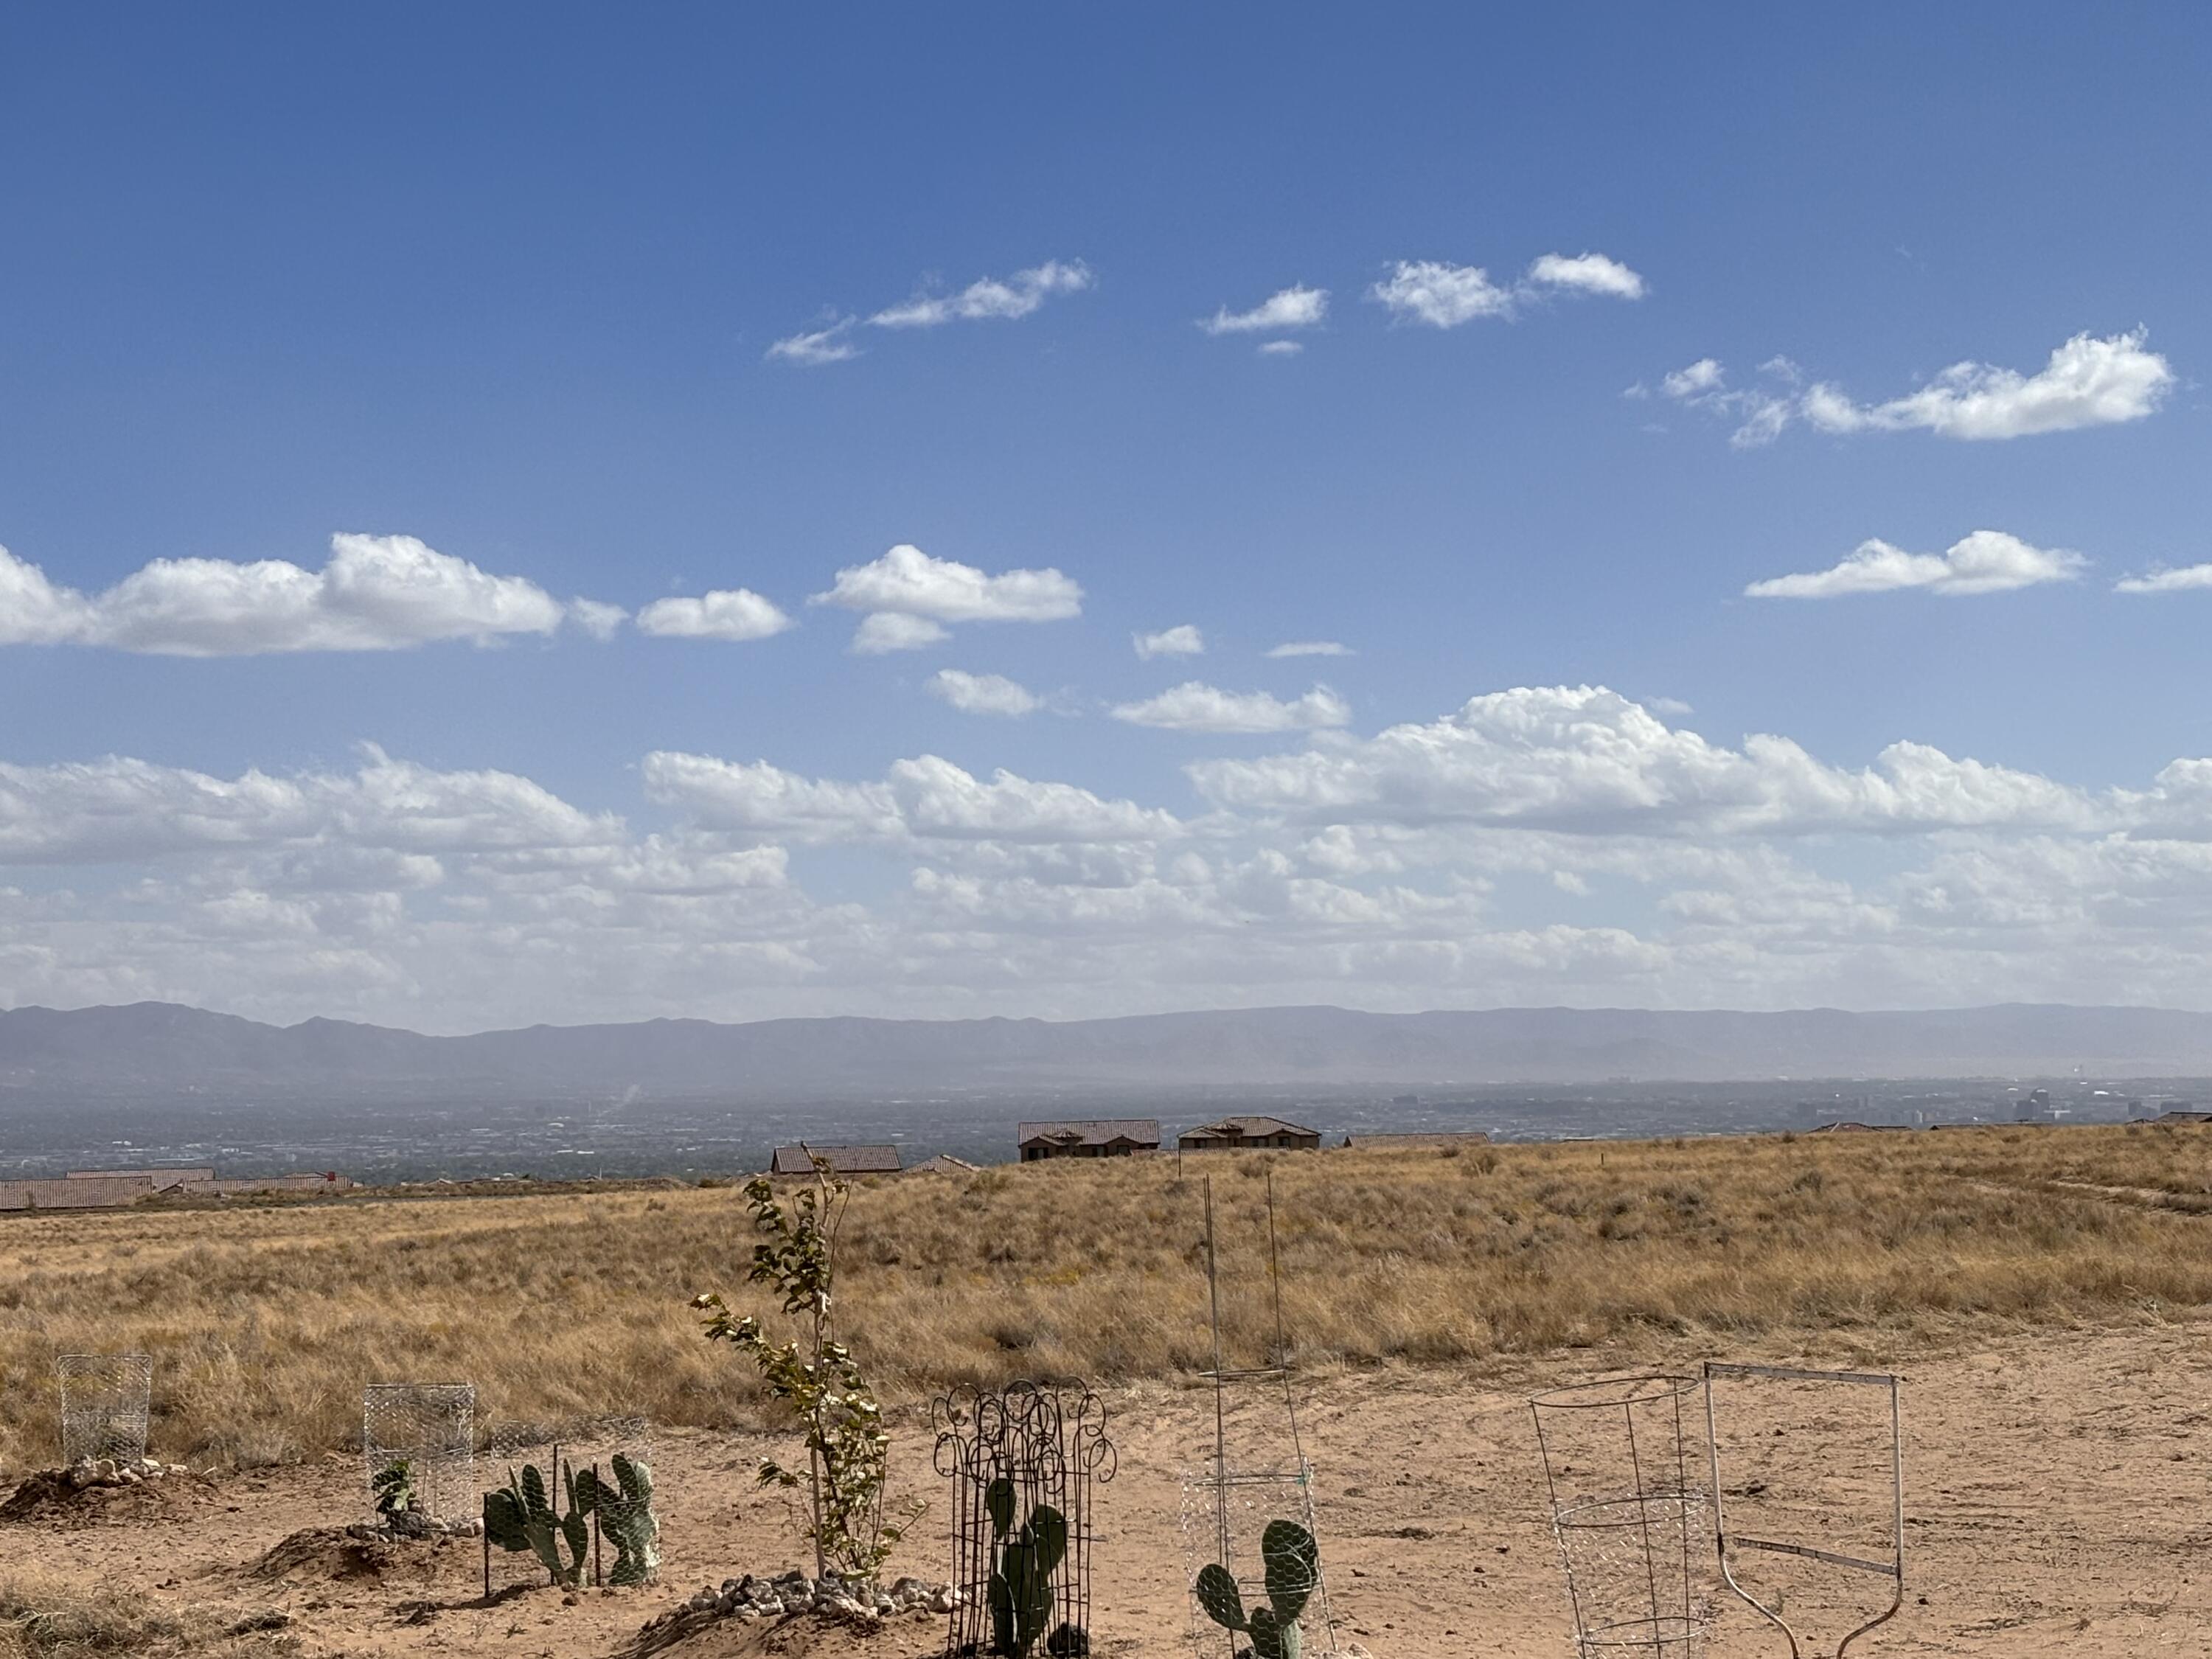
x: 50, y: 1498
x: 357, y: 1555
x: 802, y: 1636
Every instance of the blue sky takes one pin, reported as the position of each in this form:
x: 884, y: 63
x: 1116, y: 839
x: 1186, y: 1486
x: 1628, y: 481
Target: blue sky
x: 509, y: 283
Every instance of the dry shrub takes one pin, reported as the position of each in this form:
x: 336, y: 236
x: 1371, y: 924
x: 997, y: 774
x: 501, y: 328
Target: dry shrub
x: 42, y: 1619
x: 264, y: 1324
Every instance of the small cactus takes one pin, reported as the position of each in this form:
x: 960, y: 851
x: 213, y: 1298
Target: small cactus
x: 394, y: 1486
x: 624, y: 1506
x: 1021, y: 1577
x: 521, y: 1518
x: 1291, y: 1561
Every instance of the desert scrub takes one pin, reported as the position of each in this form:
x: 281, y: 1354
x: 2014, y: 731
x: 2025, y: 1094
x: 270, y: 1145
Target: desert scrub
x: 264, y: 1324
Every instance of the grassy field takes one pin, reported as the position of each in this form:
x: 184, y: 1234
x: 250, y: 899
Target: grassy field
x: 267, y: 1323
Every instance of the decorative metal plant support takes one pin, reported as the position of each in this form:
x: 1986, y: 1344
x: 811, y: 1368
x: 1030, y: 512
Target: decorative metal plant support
x: 1730, y: 1544
x: 1022, y: 1460
x: 430, y: 1428
x: 1619, y: 1460
x: 1241, y: 1492
x: 106, y: 1401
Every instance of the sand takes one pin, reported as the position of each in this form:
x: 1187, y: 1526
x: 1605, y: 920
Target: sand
x: 2056, y: 1502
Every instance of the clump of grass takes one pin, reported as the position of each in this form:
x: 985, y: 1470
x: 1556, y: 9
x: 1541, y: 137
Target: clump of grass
x: 264, y: 1324
x: 45, y: 1620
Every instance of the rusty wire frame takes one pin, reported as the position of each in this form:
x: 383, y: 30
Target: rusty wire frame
x: 1893, y: 1569
x: 1048, y: 1442
x: 1629, y: 1547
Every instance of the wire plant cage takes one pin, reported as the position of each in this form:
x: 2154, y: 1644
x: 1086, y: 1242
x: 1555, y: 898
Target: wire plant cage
x: 431, y: 1428
x: 107, y: 1403
x: 1621, y: 1460
x: 621, y: 1508
x: 1022, y: 1460
x: 1249, y: 1531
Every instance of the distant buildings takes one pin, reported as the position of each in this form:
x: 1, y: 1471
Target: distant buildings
x: 1090, y: 1137
x: 103, y: 1190
x: 1254, y: 1133
x: 843, y: 1160
x: 943, y: 1163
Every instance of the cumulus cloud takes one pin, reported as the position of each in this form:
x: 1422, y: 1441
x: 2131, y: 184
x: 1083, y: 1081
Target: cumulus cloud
x: 926, y: 798
x: 831, y: 344
x: 1985, y: 562
x: 2088, y: 381
x: 1195, y: 706
x: 1309, y: 648
x: 989, y: 298
x: 600, y: 621
x: 1183, y: 640
x: 1441, y: 295
x: 1584, y: 759
x: 1588, y: 273
x: 1298, y: 306
x: 908, y: 582
x: 2181, y: 581
x: 736, y: 614
x: 982, y: 694
x: 1445, y: 295
x: 374, y: 593
x: 885, y: 631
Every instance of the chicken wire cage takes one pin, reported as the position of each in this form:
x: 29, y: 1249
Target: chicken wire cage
x: 604, y: 1465
x: 107, y: 1403
x: 430, y: 1427
x: 1022, y: 1460
x: 1235, y: 1527
x: 1621, y: 1459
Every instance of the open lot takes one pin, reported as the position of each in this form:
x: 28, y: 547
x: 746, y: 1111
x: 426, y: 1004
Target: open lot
x: 2041, y: 1291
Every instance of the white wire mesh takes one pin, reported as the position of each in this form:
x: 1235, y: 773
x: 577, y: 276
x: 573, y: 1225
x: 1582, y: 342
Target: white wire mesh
x: 1621, y: 1459
x: 1223, y: 1522
x: 575, y: 1445
x: 1630, y: 1577
x: 431, y: 1428
x: 106, y: 1401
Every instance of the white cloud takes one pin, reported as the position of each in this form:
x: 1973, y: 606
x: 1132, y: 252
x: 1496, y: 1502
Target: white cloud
x: 982, y: 694
x: 1589, y: 273
x: 1698, y: 378
x: 1985, y: 562
x: 2088, y: 381
x: 375, y: 593
x: 1310, y: 648
x: 1296, y: 307
x: 1441, y: 295
x: 989, y: 298
x: 732, y: 613
x: 832, y: 345
x: 885, y: 631
x: 601, y: 621
x: 1280, y: 348
x: 1445, y: 295
x: 926, y: 798
x: 1195, y: 706
x: 1183, y: 640
x: 2166, y: 581
x: 911, y: 582
x: 1585, y: 760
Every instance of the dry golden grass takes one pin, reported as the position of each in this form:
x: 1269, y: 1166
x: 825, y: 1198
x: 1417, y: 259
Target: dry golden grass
x: 41, y: 1618
x: 264, y: 1323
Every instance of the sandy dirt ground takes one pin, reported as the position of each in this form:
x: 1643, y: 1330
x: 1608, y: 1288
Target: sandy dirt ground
x: 2056, y: 1502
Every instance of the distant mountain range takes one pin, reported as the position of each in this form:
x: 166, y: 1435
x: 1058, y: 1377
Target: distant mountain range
x: 151, y: 1049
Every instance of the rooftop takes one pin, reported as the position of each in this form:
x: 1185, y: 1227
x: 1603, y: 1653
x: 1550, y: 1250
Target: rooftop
x: 843, y: 1160
x: 1093, y: 1131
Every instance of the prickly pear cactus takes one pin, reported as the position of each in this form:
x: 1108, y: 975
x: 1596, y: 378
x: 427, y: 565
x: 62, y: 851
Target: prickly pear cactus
x: 521, y: 1518
x: 624, y: 1507
x: 1020, y: 1590
x: 1291, y: 1561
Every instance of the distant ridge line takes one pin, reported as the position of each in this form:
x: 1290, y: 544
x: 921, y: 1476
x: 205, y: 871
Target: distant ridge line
x: 168, y: 1049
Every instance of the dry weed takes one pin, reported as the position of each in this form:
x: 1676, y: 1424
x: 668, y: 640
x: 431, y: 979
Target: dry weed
x: 265, y: 1323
